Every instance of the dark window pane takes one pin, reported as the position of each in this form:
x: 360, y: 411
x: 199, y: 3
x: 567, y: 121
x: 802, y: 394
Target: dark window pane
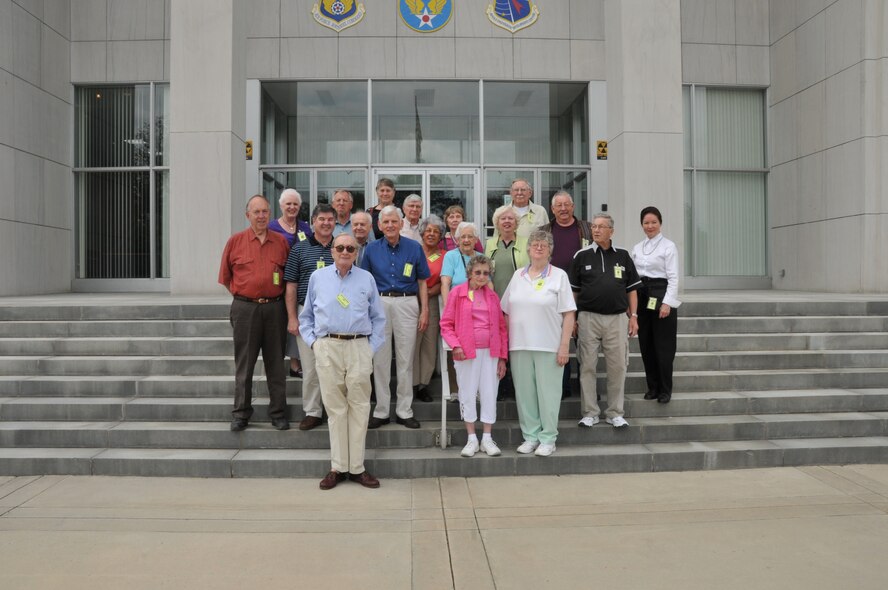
x: 114, y: 225
x: 112, y: 126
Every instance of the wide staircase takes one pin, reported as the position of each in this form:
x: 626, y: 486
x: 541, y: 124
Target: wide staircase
x: 123, y: 387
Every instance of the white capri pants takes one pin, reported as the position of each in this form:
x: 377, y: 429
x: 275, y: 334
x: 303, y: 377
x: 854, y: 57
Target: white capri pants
x: 477, y: 376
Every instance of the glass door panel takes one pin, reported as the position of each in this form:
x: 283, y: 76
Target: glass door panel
x: 498, y: 184
x: 275, y: 181
x: 574, y: 182
x: 446, y: 189
x: 354, y: 181
x: 407, y: 182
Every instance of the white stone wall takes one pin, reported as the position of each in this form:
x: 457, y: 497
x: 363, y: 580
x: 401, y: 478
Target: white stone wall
x: 725, y: 42
x: 567, y: 43
x: 828, y: 147
x: 35, y: 147
x: 120, y: 40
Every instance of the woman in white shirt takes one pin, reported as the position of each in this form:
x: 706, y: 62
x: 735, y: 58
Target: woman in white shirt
x: 540, y: 311
x: 656, y: 259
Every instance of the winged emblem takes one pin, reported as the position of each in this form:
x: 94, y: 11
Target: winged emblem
x: 338, y: 14
x: 513, y: 15
x: 426, y: 17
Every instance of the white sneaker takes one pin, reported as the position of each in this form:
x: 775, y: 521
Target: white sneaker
x: 470, y: 449
x: 489, y: 447
x: 588, y: 421
x: 528, y: 446
x: 545, y: 449
x: 617, y: 422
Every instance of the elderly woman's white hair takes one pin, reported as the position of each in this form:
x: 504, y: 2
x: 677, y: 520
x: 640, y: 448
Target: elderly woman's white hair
x: 463, y: 227
x: 290, y: 192
x: 499, y: 212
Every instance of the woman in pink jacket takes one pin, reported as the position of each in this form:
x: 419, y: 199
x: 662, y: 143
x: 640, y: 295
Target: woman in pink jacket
x: 473, y: 326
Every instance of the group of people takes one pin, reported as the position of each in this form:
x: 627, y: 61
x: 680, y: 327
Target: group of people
x: 354, y: 288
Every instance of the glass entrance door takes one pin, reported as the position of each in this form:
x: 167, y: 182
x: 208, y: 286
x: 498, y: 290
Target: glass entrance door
x: 439, y: 189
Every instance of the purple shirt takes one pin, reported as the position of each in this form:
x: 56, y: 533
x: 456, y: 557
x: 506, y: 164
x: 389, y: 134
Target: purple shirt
x: 301, y: 226
x: 567, y: 242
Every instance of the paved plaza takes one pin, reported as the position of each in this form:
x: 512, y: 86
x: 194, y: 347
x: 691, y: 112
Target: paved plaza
x: 808, y: 527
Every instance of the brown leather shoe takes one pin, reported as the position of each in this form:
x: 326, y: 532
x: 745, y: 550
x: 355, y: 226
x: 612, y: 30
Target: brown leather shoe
x: 331, y: 479
x: 310, y: 422
x: 365, y: 479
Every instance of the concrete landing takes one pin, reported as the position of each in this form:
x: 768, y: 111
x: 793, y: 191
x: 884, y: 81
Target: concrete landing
x: 805, y: 527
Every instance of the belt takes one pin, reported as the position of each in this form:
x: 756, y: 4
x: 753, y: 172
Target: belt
x: 654, y: 281
x: 346, y: 336
x: 260, y: 300
x: 396, y: 294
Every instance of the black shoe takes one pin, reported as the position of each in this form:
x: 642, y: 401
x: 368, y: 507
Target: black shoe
x: 280, y: 423
x: 296, y: 373
x: 408, y: 422
x: 664, y: 398
x: 238, y: 424
x: 375, y: 422
x: 651, y: 395
x: 422, y: 394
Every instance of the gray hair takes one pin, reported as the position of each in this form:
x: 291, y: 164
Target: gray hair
x: 603, y: 215
x: 411, y: 198
x: 562, y: 194
x: 250, y: 200
x: 365, y: 214
x: 462, y: 227
x: 504, y: 209
x: 390, y: 210
x: 539, y: 235
x: 476, y: 260
x: 290, y: 192
x: 431, y: 221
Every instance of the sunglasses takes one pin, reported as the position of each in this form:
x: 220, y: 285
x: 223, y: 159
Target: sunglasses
x: 349, y: 249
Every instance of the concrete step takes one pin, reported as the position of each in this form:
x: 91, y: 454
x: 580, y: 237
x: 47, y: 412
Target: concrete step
x: 434, y: 462
x: 782, y: 324
x: 118, y: 346
x: 218, y: 386
x: 218, y: 409
x: 216, y: 435
x: 188, y: 327
x: 224, y: 365
x: 191, y: 346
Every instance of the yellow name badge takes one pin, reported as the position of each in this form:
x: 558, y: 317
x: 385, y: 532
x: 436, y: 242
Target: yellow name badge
x: 652, y: 303
x: 434, y: 257
x: 584, y: 242
x: 321, y: 264
x: 538, y: 285
x: 342, y: 300
x: 301, y: 236
x: 618, y: 271
x: 471, y: 295
x: 276, y: 278
x: 408, y: 269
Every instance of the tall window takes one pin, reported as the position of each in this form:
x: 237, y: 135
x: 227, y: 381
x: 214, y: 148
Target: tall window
x: 122, y: 179
x: 725, y: 179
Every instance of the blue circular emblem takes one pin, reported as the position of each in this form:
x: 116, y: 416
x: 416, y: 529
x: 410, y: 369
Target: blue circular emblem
x: 426, y: 16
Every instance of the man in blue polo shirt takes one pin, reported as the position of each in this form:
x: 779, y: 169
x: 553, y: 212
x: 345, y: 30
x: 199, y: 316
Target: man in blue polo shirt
x: 604, y: 282
x: 399, y: 267
x: 306, y: 257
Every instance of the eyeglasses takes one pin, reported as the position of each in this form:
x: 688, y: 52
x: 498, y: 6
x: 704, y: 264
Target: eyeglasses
x: 349, y: 249
x: 520, y: 190
x: 594, y: 227
x: 481, y: 273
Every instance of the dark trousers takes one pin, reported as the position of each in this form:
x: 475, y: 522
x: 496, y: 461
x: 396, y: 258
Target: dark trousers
x: 657, y: 341
x: 259, y: 326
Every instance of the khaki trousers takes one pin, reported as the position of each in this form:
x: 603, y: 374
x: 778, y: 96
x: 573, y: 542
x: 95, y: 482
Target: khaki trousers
x: 610, y: 334
x: 344, y: 368
x: 426, y: 356
x: 311, y: 388
x: 401, y: 320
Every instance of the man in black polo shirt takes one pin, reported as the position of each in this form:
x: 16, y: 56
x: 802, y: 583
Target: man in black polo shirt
x: 604, y: 280
x: 306, y: 257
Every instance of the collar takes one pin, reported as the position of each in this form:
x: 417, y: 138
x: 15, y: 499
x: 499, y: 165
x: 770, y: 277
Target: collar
x: 336, y: 270
x: 314, y: 242
x: 594, y: 246
x: 526, y: 270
